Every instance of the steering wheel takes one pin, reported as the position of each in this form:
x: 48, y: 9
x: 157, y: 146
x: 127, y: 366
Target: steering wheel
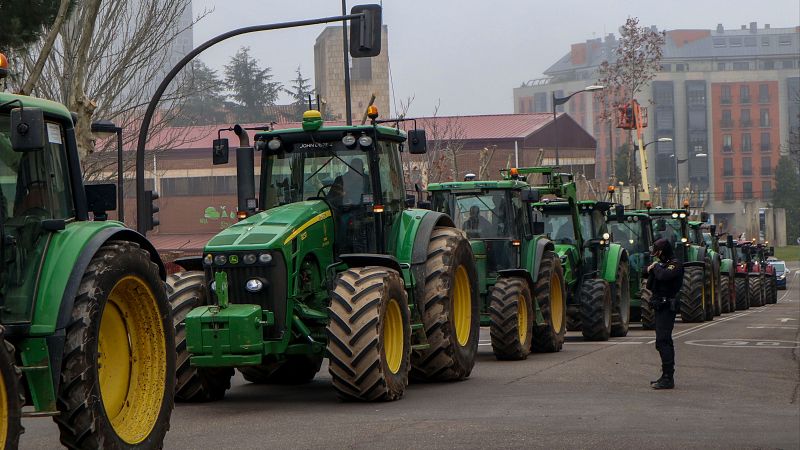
x: 319, y: 192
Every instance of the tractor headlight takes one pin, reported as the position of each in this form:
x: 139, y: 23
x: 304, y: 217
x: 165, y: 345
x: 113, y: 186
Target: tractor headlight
x: 265, y: 258
x: 682, y: 215
x: 349, y: 140
x: 274, y: 144
x: 254, y: 285
x: 249, y: 258
x: 684, y: 240
x: 208, y: 260
x: 674, y: 215
x: 364, y: 140
x: 214, y: 286
x: 606, y: 236
x: 220, y: 260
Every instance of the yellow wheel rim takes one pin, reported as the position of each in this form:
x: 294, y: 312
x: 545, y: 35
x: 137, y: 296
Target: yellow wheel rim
x: 132, y: 359
x: 393, y: 336
x: 522, y: 319
x: 462, y: 306
x: 4, y: 413
x: 556, y: 302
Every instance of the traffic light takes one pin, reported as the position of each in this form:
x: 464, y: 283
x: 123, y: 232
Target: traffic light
x: 151, y: 210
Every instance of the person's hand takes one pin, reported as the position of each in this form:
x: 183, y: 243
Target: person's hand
x: 653, y: 264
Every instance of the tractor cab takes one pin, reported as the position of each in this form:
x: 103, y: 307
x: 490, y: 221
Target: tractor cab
x: 672, y: 225
x: 635, y: 235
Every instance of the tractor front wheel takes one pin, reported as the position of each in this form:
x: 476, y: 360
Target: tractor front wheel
x: 186, y: 291
x: 449, y: 309
x: 708, y: 293
x: 117, y: 372
x: 621, y: 315
x: 715, y: 290
x: 551, y: 293
x: 512, y: 317
x: 369, y: 335
x: 756, y: 292
x: 11, y: 396
x: 742, y: 293
x: 772, y: 290
x: 725, y: 294
x: 692, y: 294
x: 596, y: 309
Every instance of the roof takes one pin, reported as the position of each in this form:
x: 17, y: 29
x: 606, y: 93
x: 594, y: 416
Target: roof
x: 186, y: 243
x: 470, y: 185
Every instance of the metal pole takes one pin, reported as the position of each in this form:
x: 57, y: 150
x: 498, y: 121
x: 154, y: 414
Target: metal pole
x: 611, y: 149
x: 677, y: 180
x: 516, y: 153
x: 348, y: 106
x: 555, y: 126
x: 120, y: 178
x: 151, y: 107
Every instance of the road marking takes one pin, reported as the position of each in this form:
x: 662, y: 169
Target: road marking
x: 774, y: 327
x: 703, y: 326
x: 785, y: 319
x: 603, y: 343
x: 744, y: 343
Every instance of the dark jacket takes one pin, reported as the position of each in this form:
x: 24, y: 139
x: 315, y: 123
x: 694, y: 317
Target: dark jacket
x: 666, y: 278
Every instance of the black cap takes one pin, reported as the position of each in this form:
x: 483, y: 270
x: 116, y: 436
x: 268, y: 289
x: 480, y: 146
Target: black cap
x: 664, y: 246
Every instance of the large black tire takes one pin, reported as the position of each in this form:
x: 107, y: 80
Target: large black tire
x: 186, y: 291
x: 292, y: 370
x: 708, y: 292
x: 117, y: 373
x: 732, y: 290
x: 772, y: 290
x: 648, y: 314
x: 551, y: 294
x: 692, y: 295
x: 742, y: 294
x: 716, y: 295
x: 369, y: 335
x: 449, y: 309
x: 12, y: 396
x: 512, y: 317
x: 621, y: 310
x: 725, y: 294
x: 574, y: 317
x: 596, y: 309
x: 756, y: 292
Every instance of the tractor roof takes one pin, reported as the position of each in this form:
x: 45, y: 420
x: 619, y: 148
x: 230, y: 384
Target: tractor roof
x: 49, y: 107
x: 630, y: 216
x: 474, y: 185
x: 662, y: 211
x: 387, y: 132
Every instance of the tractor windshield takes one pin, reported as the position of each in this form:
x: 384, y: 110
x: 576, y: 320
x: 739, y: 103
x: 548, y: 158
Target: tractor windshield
x: 558, y: 225
x: 741, y: 255
x: 725, y: 252
x: 484, y: 216
x: 630, y: 236
x: 708, y: 240
x: 667, y: 228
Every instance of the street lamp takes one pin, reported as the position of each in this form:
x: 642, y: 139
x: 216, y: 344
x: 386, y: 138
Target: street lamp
x: 663, y: 139
x: 677, y: 172
x: 561, y: 100
x: 105, y: 129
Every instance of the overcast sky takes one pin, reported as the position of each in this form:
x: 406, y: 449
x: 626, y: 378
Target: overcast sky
x: 467, y: 54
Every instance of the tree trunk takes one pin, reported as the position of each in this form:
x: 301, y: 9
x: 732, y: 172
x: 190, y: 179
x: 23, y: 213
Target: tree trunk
x: 78, y: 101
x: 49, y: 41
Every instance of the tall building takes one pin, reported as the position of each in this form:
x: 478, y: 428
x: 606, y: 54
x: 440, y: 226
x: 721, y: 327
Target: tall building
x: 727, y: 98
x: 367, y: 75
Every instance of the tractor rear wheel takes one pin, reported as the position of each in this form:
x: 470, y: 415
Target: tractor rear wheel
x: 117, y: 372
x: 11, y: 396
x: 512, y: 317
x: 294, y: 369
x: 772, y: 290
x: 596, y: 309
x: 708, y: 293
x: 725, y: 294
x: 186, y: 291
x: 692, y: 294
x: 648, y: 315
x: 756, y: 293
x: 715, y: 290
x: 621, y: 312
x: 742, y: 294
x: 369, y: 335
x: 449, y: 309
x: 551, y: 294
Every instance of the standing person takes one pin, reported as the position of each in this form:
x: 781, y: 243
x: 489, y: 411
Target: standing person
x: 664, y: 279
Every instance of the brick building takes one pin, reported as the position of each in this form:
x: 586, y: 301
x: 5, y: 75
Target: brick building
x: 727, y: 98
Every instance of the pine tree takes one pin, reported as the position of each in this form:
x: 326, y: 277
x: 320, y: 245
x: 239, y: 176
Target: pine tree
x: 206, y: 102
x: 787, y: 191
x: 24, y: 21
x: 299, y: 92
x: 251, y: 87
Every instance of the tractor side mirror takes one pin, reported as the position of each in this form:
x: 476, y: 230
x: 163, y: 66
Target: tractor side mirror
x: 530, y: 195
x: 365, y: 31
x: 27, y: 130
x: 620, y: 212
x: 704, y: 216
x: 713, y: 229
x: 417, y: 144
x: 538, y: 228
x: 220, y: 151
x: 101, y: 199
x: 729, y: 241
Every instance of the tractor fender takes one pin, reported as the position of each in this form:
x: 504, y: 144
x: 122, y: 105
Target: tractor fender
x: 615, y: 255
x: 190, y: 263
x: 701, y: 254
x: 726, y: 266
x: 542, y: 245
x: 419, y: 252
x: 694, y: 264
x: 371, y: 259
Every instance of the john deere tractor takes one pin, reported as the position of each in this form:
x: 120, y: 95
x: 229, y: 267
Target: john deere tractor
x: 697, y: 236
x: 86, y: 332
x: 742, y: 276
x: 635, y: 235
x: 696, y: 291
x: 330, y: 261
x: 727, y: 269
x: 520, y: 278
x: 596, y: 269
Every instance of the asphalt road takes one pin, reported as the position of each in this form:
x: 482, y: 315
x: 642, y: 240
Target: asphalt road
x: 738, y: 386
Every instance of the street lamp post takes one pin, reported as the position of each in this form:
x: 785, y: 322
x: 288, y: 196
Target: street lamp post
x: 560, y: 101
x: 677, y: 171
x: 104, y: 129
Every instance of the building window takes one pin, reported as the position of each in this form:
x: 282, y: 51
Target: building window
x: 725, y: 94
x: 741, y: 65
x: 764, y: 117
x: 744, y: 94
x: 747, y: 143
x: 766, y: 165
x: 727, y: 121
x: 680, y: 68
x: 735, y: 41
x: 785, y: 39
x: 744, y: 118
x: 719, y: 42
x: 727, y: 167
x: 696, y: 93
x: 727, y: 143
x: 747, y: 166
x: 763, y: 93
x: 721, y: 67
x: 769, y: 64
x: 666, y: 67
x: 787, y: 64
x: 747, y: 190
x: 766, y: 190
x: 729, y: 191
x: 765, y: 41
x: 697, y: 119
x: 765, y: 144
x: 663, y: 93
x: 750, y: 41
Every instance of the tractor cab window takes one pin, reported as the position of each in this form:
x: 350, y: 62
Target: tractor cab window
x: 725, y: 252
x: 741, y: 255
x: 593, y: 224
x: 558, y: 225
x: 634, y: 240
x: 667, y: 228
x: 708, y: 240
x: 484, y: 216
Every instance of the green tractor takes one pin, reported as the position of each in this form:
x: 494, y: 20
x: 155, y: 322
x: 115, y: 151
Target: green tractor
x: 635, y: 235
x: 595, y: 269
x: 87, y: 336
x: 331, y: 260
x: 727, y: 271
x: 520, y: 278
x: 696, y: 290
x: 700, y: 236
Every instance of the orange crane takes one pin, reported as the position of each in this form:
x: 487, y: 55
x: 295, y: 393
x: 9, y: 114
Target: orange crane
x: 632, y: 116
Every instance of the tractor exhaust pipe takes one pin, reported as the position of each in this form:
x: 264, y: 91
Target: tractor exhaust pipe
x: 245, y: 175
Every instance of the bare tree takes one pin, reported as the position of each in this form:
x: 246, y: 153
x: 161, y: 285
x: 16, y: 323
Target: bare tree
x: 485, y: 160
x: 105, y: 63
x: 445, y: 141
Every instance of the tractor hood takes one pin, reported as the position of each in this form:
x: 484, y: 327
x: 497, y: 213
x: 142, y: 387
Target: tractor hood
x: 272, y: 229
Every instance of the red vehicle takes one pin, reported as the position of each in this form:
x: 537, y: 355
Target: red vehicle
x: 770, y: 283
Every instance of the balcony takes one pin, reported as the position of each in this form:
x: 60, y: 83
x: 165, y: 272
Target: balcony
x: 726, y: 123
x: 746, y: 148
x: 744, y: 100
x: 763, y: 99
x: 728, y: 196
x: 747, y: 172
x: 727, y: 149
x: 746, y: 123
x: 725, y: 100
x: 728, y: 172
